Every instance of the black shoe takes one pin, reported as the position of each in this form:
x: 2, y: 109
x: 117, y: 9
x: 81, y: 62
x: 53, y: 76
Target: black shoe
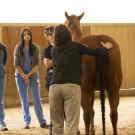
x: 3, y: 127
x: 27, y: 127
x: 78, y: 132
x: 44, y: 125
x: 50, y: 131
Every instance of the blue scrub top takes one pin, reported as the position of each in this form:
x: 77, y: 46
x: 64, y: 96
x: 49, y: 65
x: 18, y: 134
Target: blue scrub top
x: 27, y: 60
x: 27, y: 63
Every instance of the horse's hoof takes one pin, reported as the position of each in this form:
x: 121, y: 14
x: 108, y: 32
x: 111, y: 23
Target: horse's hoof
x: 92, y: 132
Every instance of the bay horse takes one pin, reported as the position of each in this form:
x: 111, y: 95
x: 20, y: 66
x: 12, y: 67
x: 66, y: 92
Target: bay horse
x: 102, y: 73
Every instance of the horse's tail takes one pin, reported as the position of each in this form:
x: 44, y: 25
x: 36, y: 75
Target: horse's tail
x: 101, y: 78
x: 102, y: 98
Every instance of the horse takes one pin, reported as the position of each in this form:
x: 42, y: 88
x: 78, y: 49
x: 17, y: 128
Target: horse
x: 102, y: 73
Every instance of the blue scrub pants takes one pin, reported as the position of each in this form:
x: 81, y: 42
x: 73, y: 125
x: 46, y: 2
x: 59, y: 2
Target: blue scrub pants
x: 23, y: 93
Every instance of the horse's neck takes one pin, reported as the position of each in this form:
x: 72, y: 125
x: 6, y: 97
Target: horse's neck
x: 76, y: 36
x: 75, y: 32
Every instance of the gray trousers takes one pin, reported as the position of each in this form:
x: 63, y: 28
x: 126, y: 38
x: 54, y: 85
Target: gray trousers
x: 65, y: 98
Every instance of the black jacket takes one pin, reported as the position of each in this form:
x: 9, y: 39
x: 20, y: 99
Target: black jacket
x: 5, y: 53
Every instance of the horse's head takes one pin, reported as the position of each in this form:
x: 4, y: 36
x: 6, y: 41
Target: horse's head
x: 73, y: 19
x: 73, y: 24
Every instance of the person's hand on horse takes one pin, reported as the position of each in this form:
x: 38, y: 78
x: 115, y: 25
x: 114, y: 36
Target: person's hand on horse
x: 107, y: 45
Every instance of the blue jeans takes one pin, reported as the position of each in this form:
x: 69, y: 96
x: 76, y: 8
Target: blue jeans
x: 23, y: 93
x: 2, y: 114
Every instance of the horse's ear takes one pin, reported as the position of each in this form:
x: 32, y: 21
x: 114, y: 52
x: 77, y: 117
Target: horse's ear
x: 80, y: 16
x: 66, y: 14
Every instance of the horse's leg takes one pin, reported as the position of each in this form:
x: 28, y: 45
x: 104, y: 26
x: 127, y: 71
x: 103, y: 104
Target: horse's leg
x: 92, y: 113
x: 113, y: 95
x: 88, y: 114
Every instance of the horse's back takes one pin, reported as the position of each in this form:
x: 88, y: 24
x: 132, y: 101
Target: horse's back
x: 114, y: 67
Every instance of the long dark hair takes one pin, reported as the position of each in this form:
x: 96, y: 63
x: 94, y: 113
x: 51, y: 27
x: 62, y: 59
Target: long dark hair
x: 31, y: 46
x: 61, y: 35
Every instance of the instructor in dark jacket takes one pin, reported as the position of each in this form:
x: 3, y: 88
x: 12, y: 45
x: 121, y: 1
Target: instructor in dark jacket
x: 65, y: 91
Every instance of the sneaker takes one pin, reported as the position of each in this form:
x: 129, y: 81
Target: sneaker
x: 27, y: 126
x: 44, y: 125
x: 3, y: 127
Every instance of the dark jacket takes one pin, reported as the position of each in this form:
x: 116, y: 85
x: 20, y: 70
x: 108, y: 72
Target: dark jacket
x: 67, y: 64
x: 3, y: 60
x: 49, y: 72
x: 3, y: 48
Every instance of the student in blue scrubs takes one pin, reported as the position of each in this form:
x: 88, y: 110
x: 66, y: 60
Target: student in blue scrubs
x: 3, y: 60
x: 26, y: 62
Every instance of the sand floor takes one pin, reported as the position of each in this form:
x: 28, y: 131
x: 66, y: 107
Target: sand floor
x: 126, y: 122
